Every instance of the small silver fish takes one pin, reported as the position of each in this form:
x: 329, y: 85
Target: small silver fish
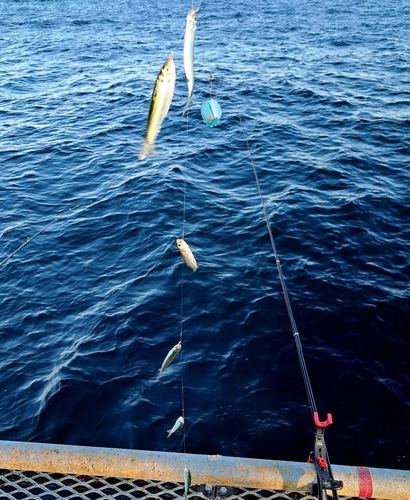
x: 187, y: 481
x: 169, y: 358
x: 186, y: 254
x: 177, y: 426
x: 189, y: 40
x: 159, y: 105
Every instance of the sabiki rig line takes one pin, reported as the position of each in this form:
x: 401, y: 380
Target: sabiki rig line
x: 319, y: 457
x: 37, y: 234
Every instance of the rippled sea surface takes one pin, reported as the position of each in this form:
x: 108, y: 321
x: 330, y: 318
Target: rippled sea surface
x: 90, y: 306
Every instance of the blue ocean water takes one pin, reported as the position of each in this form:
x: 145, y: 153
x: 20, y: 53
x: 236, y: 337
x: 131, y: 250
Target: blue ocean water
x: 90, y: 307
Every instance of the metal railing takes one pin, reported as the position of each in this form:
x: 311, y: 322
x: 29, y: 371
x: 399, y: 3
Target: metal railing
x: 48, y: 472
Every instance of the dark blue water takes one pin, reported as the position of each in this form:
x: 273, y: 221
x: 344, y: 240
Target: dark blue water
x: 90, y: 307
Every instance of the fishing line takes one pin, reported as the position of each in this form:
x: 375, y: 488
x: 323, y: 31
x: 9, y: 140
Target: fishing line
x: 182, y: 299
x: 37, y: 234
x: 184, y: 209
x: 182, y: 358
x: 182, y: 319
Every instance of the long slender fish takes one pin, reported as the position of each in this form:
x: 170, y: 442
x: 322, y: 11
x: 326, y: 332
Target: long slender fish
x: 187, y: 481
x: 189, y: 53
x: 159, y: 105
x: 169, y: 358
x: 177, y: 426
x: 186, y: 254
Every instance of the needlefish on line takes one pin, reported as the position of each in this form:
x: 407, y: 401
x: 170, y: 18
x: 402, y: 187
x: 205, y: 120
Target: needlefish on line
x: 177, y: 426
x: 159, y: 105
x: 189, y: 53
x: 169, y: 358
x: 186, y: 254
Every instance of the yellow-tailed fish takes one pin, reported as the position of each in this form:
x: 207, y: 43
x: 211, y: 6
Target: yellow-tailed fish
x: 177, y: 426
x: 159, y: 104
x: 187, y: 481
x: 169, y: 358
x: 186, y: 254
x: 189, y: 53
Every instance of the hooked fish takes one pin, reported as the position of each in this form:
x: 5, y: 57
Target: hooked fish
x: 169, y: 358
x: 187, y: 481
x: 159, y: 105
x: 189, y: 53
x: 186, y: 254
x: 177, y: 426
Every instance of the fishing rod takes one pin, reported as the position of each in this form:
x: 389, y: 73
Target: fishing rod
x: 319, y: 457
x: 37, y: 234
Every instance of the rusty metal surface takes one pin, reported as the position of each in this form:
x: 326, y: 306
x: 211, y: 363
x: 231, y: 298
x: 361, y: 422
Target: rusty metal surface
x: 160, y: 475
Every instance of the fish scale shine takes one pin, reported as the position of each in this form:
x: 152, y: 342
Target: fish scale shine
x: 172, y: 354
x: 186, y: 254
x: 177, y: 426
x: 159, y: 105
x: 189, y: 40
x: 187, y: 481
